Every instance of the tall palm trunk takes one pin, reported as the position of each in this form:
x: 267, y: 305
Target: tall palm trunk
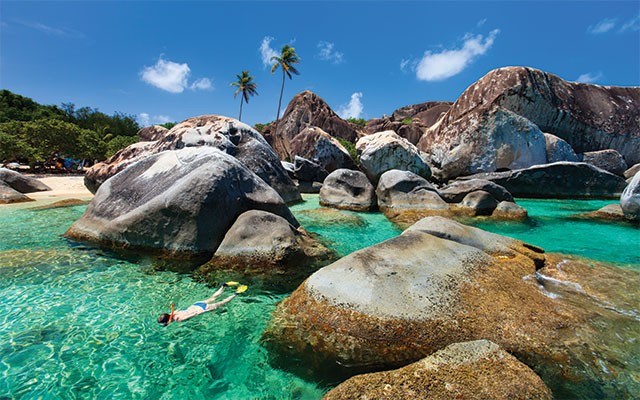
x: 240, y: 116
x: 275, y: 131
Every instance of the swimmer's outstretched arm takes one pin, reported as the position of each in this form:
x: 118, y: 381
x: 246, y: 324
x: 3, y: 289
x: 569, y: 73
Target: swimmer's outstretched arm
x: 211, y: 307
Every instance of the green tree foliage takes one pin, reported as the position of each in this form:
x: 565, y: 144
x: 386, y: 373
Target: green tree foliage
x: 246, y: 87
x: 285, y: 61
x: 119, y: 142
x: 351, y: 148
x: 31, y: 132
x: 169, y: 125
x: 358, y: 121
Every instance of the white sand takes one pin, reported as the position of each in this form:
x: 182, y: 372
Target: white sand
x: 63, y: 187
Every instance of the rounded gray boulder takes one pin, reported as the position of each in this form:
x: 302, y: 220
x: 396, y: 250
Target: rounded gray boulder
x: 180, y: 203
x: 630, y: 199
x: 349, y: 190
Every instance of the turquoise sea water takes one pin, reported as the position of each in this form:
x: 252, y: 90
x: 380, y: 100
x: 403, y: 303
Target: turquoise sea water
x: 77, y: 322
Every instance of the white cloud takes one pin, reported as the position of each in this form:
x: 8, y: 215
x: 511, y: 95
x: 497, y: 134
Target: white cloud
x: 589, y: 77
x: 408, y: 64
x: 603, y: 26
x: 449, y: 62
x: 172, y: 77
x: 481, y: 22
x: 326, y: 52
x: 631, y: 25
x: 353, y: 109
x: 266, y: 51
x: 146, y: 120
x: 202, y: 84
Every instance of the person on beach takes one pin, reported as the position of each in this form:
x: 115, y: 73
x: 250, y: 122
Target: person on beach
x: 201, y: 307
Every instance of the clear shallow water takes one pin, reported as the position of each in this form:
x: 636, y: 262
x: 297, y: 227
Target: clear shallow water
x: 552, y: 225
x: 77, y: 322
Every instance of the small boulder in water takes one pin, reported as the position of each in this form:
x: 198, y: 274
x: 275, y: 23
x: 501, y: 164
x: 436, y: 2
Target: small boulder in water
x: 348, y: 190
x: 630, y: 199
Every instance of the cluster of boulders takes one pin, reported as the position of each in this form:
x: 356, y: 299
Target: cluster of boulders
x: 517, y: 117
x: 209, y: 189
x: 14, y: 185
x: 416, y: 300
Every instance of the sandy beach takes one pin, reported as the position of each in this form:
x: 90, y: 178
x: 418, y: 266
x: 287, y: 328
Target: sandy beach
x: 63, y: 187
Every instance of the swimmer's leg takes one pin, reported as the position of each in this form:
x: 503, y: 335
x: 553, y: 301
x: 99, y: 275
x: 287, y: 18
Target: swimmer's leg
x: 211, y: 307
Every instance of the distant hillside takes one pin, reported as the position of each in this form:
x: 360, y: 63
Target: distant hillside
x: 31, y: 132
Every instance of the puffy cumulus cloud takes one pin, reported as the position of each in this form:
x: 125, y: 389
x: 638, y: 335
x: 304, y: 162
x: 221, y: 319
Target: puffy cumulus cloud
x: 172, y: 77
x: 449, y: 62
x: 202, y: 84
x: 326, y: 52
x: 589, y: 77
x: 266, y: 51
x: 603, y: 26
x: 353, y: 109
x: 145, y: 119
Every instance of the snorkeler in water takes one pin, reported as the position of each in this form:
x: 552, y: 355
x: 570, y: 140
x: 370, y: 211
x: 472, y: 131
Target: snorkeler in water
x: 201, y: 307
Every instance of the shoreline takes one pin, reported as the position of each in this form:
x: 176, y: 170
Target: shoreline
x: 62, y: 188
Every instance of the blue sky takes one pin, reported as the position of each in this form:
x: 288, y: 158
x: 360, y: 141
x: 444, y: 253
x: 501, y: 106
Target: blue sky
x: 172, y: 60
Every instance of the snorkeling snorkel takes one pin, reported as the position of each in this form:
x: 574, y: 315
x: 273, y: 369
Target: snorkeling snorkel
x: 173, y: 310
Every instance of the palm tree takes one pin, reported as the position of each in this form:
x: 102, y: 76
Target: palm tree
x: 246, y: 87
x: 285, y: 60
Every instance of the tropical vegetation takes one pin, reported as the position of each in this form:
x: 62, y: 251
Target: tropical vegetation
x: 285, y: 61
x: 31, y: 132
x: 245, y: 87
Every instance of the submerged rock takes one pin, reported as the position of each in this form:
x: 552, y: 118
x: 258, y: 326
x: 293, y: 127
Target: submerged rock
x: 508, y: 210
x: 265, y: 243
x: 471, y: 370
x: 610, y: 212
x: 180, y: 203
x: 588, y: 117
x: 226, y: 134
x: 630, y: 199
x: 384, y: 151
x: 348, y: 190
x: 317, y: 145
x: 557, y: 180
x: 609, y: 160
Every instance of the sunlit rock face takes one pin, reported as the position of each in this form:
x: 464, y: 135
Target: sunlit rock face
x: 179, y: 202
x: 226, y: 134
x: 482, y: 131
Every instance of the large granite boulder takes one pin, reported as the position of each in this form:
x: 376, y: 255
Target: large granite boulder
x: 588, y: 117
x: 440, y: 283
x: 426, y: 113
x: 630, y: 199
x: 401, y: 193
x: 262, y: 242
x: 457, y: 190
x: 349, y: 190
x: 226, y: 134
x: 558, y: 180
x: 470, y: 370
x: 559, y: 150
x: 21, y: 183
x: 384, y: 151
x: 609, y: 160
x: 152, y: 133
x: 499, y: 139
x: 317, y: 145
x: 178, y: 202
x: 304, y: 110
x: 308, y: 171
x: 478, y: 202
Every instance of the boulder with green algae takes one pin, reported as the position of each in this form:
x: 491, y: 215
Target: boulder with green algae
x: 442, y: 282
x: 264, y: 243
x: 471, y: 370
